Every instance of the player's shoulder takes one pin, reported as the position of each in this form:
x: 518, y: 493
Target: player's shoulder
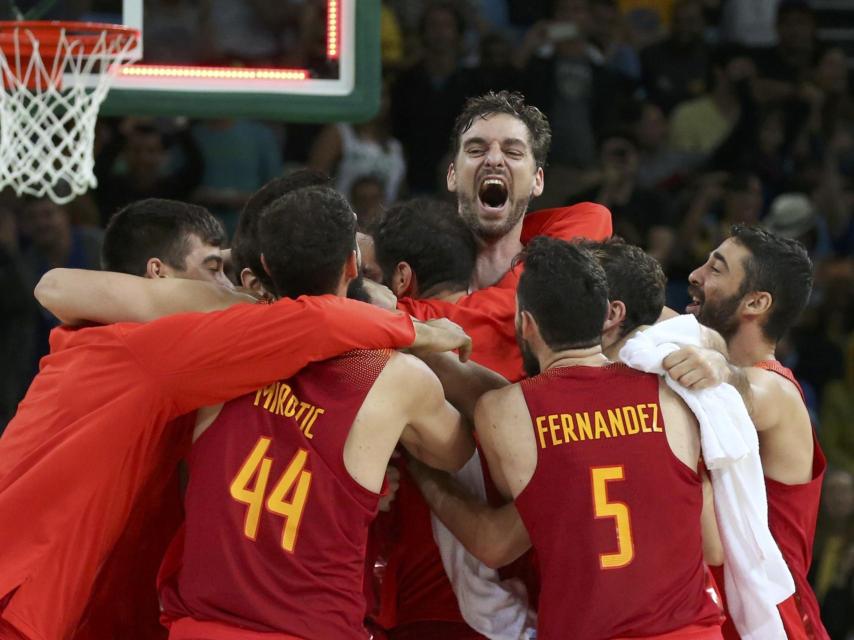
x: 499, y: 404
x: 772, y: 384
x: 409, y: 375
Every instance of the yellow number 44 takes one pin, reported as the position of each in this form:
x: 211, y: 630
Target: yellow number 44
x: 619, y: 511
x: 294, y: 478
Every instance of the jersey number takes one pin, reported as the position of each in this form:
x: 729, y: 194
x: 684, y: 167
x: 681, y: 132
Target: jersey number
x: 295, y: 481
x: 600, y: 476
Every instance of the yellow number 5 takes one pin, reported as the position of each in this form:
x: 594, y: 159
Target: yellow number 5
x: 600, y: 476
x: 291, y: 510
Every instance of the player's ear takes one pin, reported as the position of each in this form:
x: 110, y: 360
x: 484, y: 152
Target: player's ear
x: 155, y: 268
x: 452, y: 178
x: 404, y: 282
x: 539, y: 183
x: 250, y: 281
x: 615, y: 315
x: 530, y: 329
x: 351, y: 267
x: 264, y: 264
x: 758, y: 303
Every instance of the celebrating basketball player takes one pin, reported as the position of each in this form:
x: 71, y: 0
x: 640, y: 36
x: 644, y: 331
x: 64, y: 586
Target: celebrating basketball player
x: 285, y: 480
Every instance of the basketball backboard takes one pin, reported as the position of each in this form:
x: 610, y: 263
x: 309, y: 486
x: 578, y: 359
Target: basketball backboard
x: 295, y: 60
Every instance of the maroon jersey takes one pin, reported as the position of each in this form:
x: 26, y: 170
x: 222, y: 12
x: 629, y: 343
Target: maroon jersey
x: 613, y: 514
x: 792, y: 514
x: 276, y: 526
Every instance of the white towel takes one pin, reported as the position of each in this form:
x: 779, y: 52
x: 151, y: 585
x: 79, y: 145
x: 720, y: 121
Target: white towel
x: 495, y: 608
x: 755, y: 574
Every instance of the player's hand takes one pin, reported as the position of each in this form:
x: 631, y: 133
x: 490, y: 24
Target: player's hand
x: 440, y: 335
x: 379, y: 295
x: 697, y: 369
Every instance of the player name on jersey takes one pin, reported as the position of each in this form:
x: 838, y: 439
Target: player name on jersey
x: 563, y: 428
x: 279, y: 398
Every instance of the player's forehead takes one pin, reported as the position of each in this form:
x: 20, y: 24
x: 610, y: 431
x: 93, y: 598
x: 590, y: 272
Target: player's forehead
x: 731, y: 254
x: 197, y: 250
x: 501, y: 127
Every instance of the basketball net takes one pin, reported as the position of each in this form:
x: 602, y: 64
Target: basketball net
x: 54, y: 78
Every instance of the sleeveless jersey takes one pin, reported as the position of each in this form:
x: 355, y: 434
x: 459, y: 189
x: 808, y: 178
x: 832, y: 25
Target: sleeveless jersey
x: 613, y: 514
x: 276, y: 527
x: 792, y: 514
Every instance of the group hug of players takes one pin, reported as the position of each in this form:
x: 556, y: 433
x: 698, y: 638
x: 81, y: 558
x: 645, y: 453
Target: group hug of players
x: 290, y: 406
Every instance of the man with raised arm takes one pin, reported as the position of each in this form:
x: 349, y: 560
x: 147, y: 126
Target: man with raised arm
x: 607, y: 438
x: 284, y: 481
x: 751, y: 290
x: 92, y: 428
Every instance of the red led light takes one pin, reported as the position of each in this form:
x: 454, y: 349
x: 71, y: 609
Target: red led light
x: 332, y: 19
x: 212, y: 73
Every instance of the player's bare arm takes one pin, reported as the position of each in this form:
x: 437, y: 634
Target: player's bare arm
x: 495, y: 536
x: 505, y: 434
x: 406, y: 404
x: 683, y: 437
x: 464, y: 382
x: 78, y: 296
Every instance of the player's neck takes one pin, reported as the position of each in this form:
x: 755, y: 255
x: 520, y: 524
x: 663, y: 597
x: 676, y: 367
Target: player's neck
x: 446, y: 291
x: 748, y: 346
x: 494, y: 258
x: 612, y: 350
x: 589, y: 357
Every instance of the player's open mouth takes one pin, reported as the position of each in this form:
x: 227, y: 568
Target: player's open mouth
x: 694, y: 306
x: 493, y: 193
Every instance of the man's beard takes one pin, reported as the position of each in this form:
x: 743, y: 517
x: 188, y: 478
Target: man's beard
x: 356, y: 290
x: 468, y: 212
x: 530, y: 363
x: 721, y: 316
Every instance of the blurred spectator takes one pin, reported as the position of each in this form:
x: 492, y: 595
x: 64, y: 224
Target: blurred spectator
x: 833, y: 554
x: 720, y: 201
x: 367, y: 197
x: 792, y: 215
x: 701, y: 124
x: 239, y: 157
x: 750, y: 23
x: 580, y: 97
x: 426, y: 98
x: 675, y: 70
x: 246, y: 32
x: 17, y: 317
x: 660, y: 165
x: 350, y: 151
x: 608, y: 40
x: 786, y: 66
x: 641, y: 216
x: 647, y: 19
x: 391, y: 39
x: 54, y: 242
x: 136, y: 163
x: 496, y: 70
x: 837, y: 416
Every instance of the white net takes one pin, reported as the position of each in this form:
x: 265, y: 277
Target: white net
x: 49, y: 102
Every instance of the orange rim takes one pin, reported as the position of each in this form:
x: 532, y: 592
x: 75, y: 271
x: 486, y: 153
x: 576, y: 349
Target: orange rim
x: 49, y: 32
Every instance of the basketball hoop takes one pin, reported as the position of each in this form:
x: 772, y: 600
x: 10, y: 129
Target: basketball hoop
x: 55, y: 75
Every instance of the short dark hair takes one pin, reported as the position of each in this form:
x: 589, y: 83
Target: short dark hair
x: 306, y: 236
x: 565, y: 289
x: 779, y: 266
x: 431, y: 236
x: 156, y: 228
x: 634, y: 277
x: 512, y: 103
x: 245, y: 247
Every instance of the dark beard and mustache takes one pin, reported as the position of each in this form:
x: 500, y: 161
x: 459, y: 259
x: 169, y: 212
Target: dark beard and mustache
x: 530, y: 363
x: 721, y: 316
x: 468, y: 212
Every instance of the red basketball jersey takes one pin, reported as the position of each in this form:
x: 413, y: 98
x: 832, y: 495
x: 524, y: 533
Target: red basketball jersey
x: 613, y: 515
x: 792, y: 514
x: 276, y: 526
